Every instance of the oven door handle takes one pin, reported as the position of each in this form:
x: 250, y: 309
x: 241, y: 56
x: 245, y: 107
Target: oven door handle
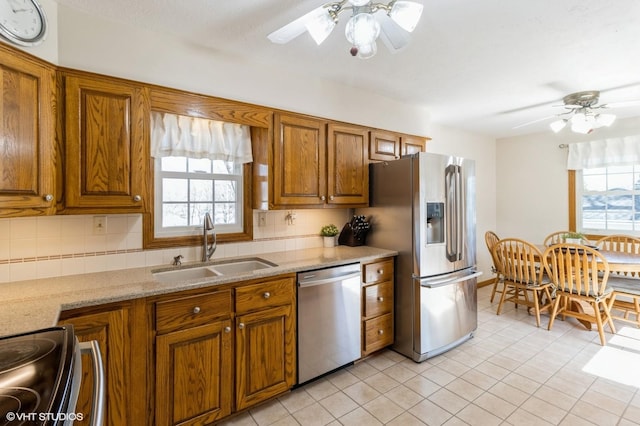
x: 97, y: 403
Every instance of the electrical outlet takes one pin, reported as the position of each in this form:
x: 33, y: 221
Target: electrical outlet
x: 262, y: 218
x: 99, y: 225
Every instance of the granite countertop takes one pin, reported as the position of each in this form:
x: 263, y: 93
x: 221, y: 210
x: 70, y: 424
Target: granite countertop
x: 34, y: 304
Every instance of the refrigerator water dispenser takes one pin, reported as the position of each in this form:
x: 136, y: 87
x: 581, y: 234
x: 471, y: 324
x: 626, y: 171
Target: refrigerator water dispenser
x: 435, y: 223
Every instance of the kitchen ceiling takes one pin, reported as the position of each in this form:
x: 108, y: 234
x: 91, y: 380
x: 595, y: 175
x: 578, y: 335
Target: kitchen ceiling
x: 482, y: 66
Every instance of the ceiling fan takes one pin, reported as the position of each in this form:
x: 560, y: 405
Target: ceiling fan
x: 582, y: 113
x: 392, y: 21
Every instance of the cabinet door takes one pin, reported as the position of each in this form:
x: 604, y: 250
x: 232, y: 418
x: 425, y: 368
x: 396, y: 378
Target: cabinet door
x: 411, y: 145
x: 265, y: 355
x: 384, y: 146
x: 347, y: 168
x: 193, y: 375
x: 107, y: 137
x: 27, y: 135
x: 109, y: 328
x: 299, y: 163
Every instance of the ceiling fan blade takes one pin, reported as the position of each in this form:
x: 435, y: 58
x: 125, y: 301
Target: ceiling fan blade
x: 392, y: 35
x: 534, y: 121
x: 294, y: 28
x: 620, y: 104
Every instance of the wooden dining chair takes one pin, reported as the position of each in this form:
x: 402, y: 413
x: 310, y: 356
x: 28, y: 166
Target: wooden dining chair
x: 523, y: 276
x: 580, y: 274
x: 625, y: 285
x: 491, y: 238
x: 558, y: 237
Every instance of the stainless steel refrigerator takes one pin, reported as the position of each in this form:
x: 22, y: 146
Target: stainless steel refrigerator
x: 423, y: 206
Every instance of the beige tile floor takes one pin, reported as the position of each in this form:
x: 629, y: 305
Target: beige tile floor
x: 510, y: 373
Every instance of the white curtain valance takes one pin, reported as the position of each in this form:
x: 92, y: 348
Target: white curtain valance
x: 181, y: 136
x: 603, y: 153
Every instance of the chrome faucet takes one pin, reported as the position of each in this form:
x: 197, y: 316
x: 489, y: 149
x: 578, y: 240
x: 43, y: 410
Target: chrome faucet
x: 208, y: 249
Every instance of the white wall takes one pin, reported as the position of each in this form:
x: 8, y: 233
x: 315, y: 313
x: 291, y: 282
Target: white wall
x: 532, y: 183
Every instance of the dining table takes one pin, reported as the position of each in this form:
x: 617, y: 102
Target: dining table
x: 620, y: 263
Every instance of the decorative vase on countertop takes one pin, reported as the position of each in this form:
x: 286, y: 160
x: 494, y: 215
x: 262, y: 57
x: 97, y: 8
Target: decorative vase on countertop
x: 329, y: 241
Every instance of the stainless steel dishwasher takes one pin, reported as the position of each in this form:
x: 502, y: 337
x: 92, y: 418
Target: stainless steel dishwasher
x: 329, y: 315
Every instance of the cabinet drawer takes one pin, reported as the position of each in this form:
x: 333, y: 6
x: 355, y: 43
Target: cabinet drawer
x: 192, y: 311
x: 264, y: 295
x: 378, y: 333
x: 378, y: 299
x: 378, y: 272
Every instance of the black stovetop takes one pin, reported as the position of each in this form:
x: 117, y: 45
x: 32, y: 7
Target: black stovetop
x: 35, y: 375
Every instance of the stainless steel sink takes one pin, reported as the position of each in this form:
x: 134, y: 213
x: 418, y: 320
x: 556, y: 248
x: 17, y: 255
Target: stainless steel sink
x: 230, y: 267
x: 184, y: 274
x: 240, y: 266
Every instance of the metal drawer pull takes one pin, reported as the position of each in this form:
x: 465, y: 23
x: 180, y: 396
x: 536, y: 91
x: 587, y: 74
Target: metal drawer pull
x: 380, y: 299
x: 48, y: 197
x: 381, y: 332
x: 227, y: 329
x: 241, y: 325
x: 381, y: 271
x: 137, y: 198
x: 266, y: 295
x: 196, y: 310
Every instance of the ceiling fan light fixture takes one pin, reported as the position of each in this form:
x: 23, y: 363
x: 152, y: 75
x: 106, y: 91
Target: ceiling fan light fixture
x: 582, y: 123
x: 358, y: 3
x: 320, y: 27
x: 406, y: 14
x: 362, y: 29
x: 605, y: 119
x: 367, y: 51
x: 558, y: 125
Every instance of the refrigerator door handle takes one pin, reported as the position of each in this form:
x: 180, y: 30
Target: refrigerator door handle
x: 448, y: 281
x: 454, y: 212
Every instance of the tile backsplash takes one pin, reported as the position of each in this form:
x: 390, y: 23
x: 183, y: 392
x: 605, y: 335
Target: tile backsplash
x: 52, y: 246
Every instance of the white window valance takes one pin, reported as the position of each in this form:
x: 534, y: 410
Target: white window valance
x: 603, y: 153
x: 181, y: 136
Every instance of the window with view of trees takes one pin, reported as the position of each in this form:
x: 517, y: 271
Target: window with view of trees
x: 187, y: 188
x: 608, y: 199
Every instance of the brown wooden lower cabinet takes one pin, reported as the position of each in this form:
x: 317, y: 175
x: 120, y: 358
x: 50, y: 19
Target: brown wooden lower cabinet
x: 191, y: 357
x: 201, y: 375
x: 193, y: 378
x: 377, y: 305
x: 110, y: 329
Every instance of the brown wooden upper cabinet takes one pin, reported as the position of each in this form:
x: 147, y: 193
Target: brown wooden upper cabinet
x: 386, y: 146
x: 107, y: 144
x: 316, y: 165
x: 27, y: 135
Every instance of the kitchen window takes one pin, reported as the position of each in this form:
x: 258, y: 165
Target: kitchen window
x: 604, y: 186
x: 200, y: 166
x: 187, y: 188
x: 608, y: 199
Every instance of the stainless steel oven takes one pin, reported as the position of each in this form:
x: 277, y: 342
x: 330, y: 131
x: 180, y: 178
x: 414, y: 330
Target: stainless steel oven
x: 40, y: 375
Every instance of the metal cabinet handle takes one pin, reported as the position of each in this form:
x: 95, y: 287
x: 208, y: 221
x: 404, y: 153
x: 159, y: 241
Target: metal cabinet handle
x: 331, y: 197
x: 137, y: 198
x: 381, y: 332
x: 241, y: 325
x: 266, y: 295
x: 196, y: 310
x: 380, y: 299
x: 48, y: 197
x: 227, y: 329
x: 381, y: 271
x: 323, y: 198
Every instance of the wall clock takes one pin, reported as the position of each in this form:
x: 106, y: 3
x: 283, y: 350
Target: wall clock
x: 22, y: 22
